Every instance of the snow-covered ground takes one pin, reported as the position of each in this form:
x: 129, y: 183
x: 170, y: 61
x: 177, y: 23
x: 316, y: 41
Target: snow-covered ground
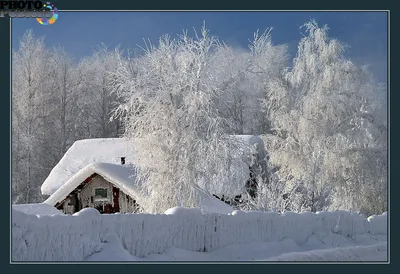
x: 190, y: 235
x: 372, y: 249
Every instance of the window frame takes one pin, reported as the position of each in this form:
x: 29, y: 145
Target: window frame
x: 98, y: 197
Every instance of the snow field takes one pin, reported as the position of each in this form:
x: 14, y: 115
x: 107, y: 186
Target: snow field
x: 373, y: 253
x: 75, y: 238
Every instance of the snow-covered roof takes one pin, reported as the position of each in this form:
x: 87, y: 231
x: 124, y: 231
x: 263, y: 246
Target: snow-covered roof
x: 254, y: 141
x: 109, y: 150
x: 122, y: 176
x: 83, y: 153
x: 210, y: 204
x: 37, y: 209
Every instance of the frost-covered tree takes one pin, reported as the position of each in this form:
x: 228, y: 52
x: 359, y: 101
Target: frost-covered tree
x: 55, y: 102
x: 64, y: 82
x: 266, y: 75
x: 250, y: 78
x: 324, y: 121
x: 262, y: 98
x: 28, y: 109
x: 171, y: 117
x: 240, y: 100
x: 363, y: 165
x: 96, y: 101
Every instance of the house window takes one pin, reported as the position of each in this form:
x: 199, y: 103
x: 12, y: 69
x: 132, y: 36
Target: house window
x: 100, y: 193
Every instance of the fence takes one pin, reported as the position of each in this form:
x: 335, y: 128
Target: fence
x: 74, y: 238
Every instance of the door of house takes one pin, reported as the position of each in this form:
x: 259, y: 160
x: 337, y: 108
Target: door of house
x: 107, y: 208
x: 116, y: 198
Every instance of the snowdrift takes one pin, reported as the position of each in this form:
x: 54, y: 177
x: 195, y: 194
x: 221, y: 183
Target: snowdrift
x: 78, y: 237
x: 37, y: 209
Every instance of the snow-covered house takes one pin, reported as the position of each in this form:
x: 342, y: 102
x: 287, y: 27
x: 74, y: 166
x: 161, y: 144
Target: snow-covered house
x: 94, y: 173
x: 99, y: 173
x: 110, y: 188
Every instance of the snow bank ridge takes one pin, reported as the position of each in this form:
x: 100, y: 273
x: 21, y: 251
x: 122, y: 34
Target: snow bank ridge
x: 74, y: 238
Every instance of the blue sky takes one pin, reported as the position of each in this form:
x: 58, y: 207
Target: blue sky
x: 80, y: 32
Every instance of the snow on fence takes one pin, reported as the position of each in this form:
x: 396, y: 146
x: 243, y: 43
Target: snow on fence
x: 74, y: 238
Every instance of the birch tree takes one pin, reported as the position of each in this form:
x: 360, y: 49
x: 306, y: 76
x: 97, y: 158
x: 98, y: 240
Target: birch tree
x: 96, y: 99
x: 29, y: 79
x: 172, y: 120
x: 329, y: 98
